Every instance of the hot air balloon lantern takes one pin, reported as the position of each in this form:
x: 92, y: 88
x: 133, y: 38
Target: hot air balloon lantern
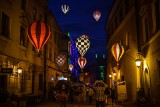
x: 38, y: 34
x: 82, y: 62
x: 60, y: 60
x: 117, y: 51
x: 97, y: 15
x: 65, y: 8
x: 70, y: 67
x: 82, y: 44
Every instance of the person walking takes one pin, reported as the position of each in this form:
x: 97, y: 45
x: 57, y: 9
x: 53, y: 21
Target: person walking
x: 107, y: 93
x: 90, y: 94
x: 84, y: 91
x: 71, y: 94
x: 62, y: 97
x: 113, y: 95
x: 99, y: 87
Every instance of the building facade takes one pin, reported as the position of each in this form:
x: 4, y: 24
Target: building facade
x: 135, y: 25
x: 39, y: 69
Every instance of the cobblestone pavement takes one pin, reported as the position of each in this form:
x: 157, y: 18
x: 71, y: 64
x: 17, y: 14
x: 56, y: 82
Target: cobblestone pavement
x: 56, y: 104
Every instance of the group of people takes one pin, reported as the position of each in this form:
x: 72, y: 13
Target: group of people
x: 101, y: 94
x: 81, y: 94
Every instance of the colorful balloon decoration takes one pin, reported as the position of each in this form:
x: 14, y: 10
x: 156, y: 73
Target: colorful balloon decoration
x: 70, y: 67
x: 65, y: 8
x: 96, y: 15
x: 60, y: 60
x: 82, y: 43
x: 117, y: 51
x: 82, y: 62
x: 38, y: 34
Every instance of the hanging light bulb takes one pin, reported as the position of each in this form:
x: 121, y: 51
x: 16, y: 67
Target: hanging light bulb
x: 65, y: 8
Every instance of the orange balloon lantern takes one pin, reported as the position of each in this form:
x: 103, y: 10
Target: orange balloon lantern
x: 38, y: 34
x: 117, y: 51
x: 70, y: 67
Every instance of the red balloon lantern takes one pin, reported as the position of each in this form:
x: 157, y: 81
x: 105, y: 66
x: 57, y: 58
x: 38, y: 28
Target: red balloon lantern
x: 38, y: 34
x: 96, y: 15
x: 82, y: 62
x: 60, y: 60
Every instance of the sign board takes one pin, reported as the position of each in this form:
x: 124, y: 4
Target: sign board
x: 121, y: 93
x: 6, y: 70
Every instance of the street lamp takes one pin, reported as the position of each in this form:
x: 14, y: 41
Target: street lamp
x: 110, y: 81
x: 139, y: 59
x: 138, y: 62
x: 19, y: 70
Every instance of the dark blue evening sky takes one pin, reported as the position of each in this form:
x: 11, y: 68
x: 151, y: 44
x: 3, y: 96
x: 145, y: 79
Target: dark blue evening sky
x: 79, y: 20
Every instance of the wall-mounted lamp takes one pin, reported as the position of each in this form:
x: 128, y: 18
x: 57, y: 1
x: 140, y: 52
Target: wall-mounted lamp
x: 52, y: 78
x: 114, y: 74
x: 138, y: 62
x: 139, y: 59
x: 19, y: 70
x: 110, y: 76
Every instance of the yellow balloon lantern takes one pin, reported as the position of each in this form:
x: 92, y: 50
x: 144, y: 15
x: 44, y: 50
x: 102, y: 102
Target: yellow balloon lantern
x: 117, y: 51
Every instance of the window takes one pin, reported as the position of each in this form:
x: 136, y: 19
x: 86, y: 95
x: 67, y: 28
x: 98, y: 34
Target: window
x: 40, y: 17
x: 55, y: 37
x: 121, y: 42
x: 146, y: 30
x: 126, y: 7
x: 111, y: 29
x: 158, y: 65
x: 23, y: 5
x: 34, y: 14
x: 40, y: 81
x: 39, y: 54
x: 50, y: 53
x: 127, y: 41
x: 33, y: 49
x: 5, y: 25
x: 116, y: 22
x: 157, y: 11
x: 54, y: 57
x: 58, y: 41
x: 120, y: 15
x: 22, y: 36
x: 122, y: 78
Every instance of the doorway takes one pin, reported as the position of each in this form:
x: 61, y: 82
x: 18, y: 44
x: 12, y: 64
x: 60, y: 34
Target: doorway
x: 3, y: 82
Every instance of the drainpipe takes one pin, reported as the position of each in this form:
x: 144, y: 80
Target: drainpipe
x: 44, y: 90
x: 45, y: 64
